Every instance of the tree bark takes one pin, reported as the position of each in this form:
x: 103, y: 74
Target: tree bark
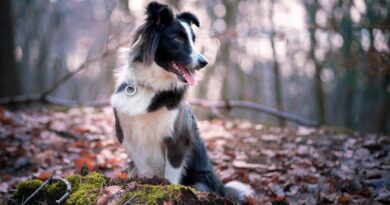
x: 318, y: 88
x: 9, y: 80
x: 275, y: 68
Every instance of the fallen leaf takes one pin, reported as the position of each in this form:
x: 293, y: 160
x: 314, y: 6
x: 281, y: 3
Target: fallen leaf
x: 344, y: 199
x: 383, y: 196
x: 280, y: 200
x: 246, y: 165
x: 366, y: 193
x: 250, y: 200
x: 167, y: 203
x: 4, y: 187
x: 107, y: 194
x: 81, y: 161
x: 276, y: 189
x: 44, y: 175
x: 87, y: 154
x: 122, y: 176
x: 80, y: 144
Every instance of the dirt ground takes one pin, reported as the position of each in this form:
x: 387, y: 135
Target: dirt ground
x: 283, y: 166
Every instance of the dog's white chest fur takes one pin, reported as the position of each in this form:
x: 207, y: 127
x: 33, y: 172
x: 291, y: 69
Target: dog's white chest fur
x: 143, y: 139
x: 144, y: 132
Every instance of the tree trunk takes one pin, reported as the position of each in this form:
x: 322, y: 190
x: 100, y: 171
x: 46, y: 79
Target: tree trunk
x: 350, y: 73
x: 318, y: 88
x: 275, y: 67
x: 9, y: 81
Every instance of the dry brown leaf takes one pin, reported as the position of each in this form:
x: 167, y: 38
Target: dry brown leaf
x: 280, y: 200
x: 107, y: 194
x: 112, y: 161
x: 344, y: 199
x: 122, y: 176
x: 81, y: 161
x: 87, y: 154
x: 44, y: 175
x: 80, y: 144
x: 250, y: 200
x: 167, y: 203
x: 366, y: 193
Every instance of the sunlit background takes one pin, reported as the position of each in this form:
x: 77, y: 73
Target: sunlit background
x: 325, y: 60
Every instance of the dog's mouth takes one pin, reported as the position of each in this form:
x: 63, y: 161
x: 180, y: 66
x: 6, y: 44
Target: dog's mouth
x: 183, y: 73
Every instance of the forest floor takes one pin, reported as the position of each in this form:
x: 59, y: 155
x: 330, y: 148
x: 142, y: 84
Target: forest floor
x: 283, y: 166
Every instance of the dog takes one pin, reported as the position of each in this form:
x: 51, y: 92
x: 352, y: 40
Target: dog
x: 152, y: 120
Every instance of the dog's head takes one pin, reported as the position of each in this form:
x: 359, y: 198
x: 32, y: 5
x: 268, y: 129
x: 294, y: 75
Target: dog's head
x: 168, y: 41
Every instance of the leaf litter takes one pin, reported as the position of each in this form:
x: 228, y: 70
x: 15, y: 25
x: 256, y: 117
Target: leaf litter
x: 283, y: 166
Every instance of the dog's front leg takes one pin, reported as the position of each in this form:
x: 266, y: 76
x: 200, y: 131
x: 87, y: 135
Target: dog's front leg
x: 175, y: 152
x: 173, y: 174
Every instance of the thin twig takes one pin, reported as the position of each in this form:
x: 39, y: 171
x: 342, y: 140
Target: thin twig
x: 129, y: 201
x: 49, y: 180
x: 217, y: 113
x: 36, y: 191
x: 80, y: 68
x: 71, y: 74
x: 64, y: 134
x: 44, y: 96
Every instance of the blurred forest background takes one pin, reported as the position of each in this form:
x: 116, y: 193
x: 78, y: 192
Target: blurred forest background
x: 325, y: 60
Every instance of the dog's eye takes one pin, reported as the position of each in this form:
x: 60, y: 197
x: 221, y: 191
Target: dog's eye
x: 179, y: 39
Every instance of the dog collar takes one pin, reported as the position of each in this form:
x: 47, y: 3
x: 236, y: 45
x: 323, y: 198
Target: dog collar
x: 130, y: 87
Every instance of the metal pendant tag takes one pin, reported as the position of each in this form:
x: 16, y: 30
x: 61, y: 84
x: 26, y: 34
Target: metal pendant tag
x: 131, y: 88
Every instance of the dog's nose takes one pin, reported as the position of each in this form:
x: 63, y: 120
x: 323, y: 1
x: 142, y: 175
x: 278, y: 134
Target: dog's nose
x: 202, y: 62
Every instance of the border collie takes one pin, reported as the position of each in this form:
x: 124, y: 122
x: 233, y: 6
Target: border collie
x: 154, y: 124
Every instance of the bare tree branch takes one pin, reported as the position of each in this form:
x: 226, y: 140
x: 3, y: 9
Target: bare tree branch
x: 65, y: 102
x: 71, y: 74
x: 253, y: 106
x: 106, y: 52
x: 214, y: 106
x: 217, y: 113
x: 20, y: 99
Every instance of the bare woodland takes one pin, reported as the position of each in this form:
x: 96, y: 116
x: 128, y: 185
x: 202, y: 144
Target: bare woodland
x: 294, y: 102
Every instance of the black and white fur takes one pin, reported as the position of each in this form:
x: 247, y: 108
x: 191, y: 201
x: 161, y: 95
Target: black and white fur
x: 156, y: 127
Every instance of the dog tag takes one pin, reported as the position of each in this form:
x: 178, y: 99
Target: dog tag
x: 131, y: 88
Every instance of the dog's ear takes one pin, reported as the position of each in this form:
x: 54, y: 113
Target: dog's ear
x: 158, y: 14
x: 189, y: 18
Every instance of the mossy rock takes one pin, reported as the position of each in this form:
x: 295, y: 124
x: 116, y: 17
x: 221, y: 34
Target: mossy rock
x: 85, y: 190
x: 153, y: 194
x: 88, y: 189
x: 170, y: 194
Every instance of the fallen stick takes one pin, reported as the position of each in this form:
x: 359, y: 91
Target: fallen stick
x: 229, y: 104
x: 212, y: 105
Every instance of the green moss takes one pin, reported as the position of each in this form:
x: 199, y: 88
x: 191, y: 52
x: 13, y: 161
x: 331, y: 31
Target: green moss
x: 25, y: 188
x: 95, y: 179
x: 85, y: 190
x: 153, y: 194
x: 48, y: 193
x: 86, y: 194
x: 75, y: 181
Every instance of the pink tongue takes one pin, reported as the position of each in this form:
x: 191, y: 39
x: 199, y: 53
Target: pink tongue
x: 188, y: 76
